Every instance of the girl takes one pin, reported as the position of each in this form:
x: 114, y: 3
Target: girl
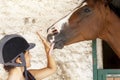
x: 13, y: 47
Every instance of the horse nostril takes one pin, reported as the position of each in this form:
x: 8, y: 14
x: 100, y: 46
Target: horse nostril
x: 55, y: 32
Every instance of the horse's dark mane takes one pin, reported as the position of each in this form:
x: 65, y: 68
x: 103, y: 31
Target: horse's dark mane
x: 115, y: 6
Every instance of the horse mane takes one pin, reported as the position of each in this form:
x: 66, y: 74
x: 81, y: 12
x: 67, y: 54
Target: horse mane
x: 115, y: 6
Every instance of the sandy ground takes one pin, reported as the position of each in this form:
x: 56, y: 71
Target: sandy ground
x: 25, y: 17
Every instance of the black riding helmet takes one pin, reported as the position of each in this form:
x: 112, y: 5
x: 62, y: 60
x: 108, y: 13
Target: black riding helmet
x: 11, y: 47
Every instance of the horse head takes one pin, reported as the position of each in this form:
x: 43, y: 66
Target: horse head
x: 87, y: 22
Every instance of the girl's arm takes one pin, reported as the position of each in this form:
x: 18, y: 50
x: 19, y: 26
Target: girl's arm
x: 51, y: 65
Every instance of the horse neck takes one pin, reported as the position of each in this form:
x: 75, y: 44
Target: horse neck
x: 111, y: 33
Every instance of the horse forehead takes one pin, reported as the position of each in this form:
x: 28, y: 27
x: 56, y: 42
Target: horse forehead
x: 66, y: 19
x: 76, y: 13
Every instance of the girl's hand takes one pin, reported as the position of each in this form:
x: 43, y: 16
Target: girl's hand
x: 45, y: 43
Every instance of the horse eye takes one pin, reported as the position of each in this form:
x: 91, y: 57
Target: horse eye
x: 87, y: 10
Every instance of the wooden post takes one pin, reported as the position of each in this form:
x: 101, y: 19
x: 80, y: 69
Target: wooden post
x: 98, y: 72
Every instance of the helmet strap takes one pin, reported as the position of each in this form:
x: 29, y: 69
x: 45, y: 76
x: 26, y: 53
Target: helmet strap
x: 24, y: 63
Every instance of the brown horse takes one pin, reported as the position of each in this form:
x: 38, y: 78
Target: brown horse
x: 93, y: 19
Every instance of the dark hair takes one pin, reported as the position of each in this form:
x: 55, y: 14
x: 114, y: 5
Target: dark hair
x: 8, y: 67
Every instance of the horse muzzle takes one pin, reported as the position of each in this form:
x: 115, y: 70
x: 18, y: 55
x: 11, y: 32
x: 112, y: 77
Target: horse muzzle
x: 56, y: 37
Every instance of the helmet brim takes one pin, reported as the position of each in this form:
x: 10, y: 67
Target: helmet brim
x: 31, y: 45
